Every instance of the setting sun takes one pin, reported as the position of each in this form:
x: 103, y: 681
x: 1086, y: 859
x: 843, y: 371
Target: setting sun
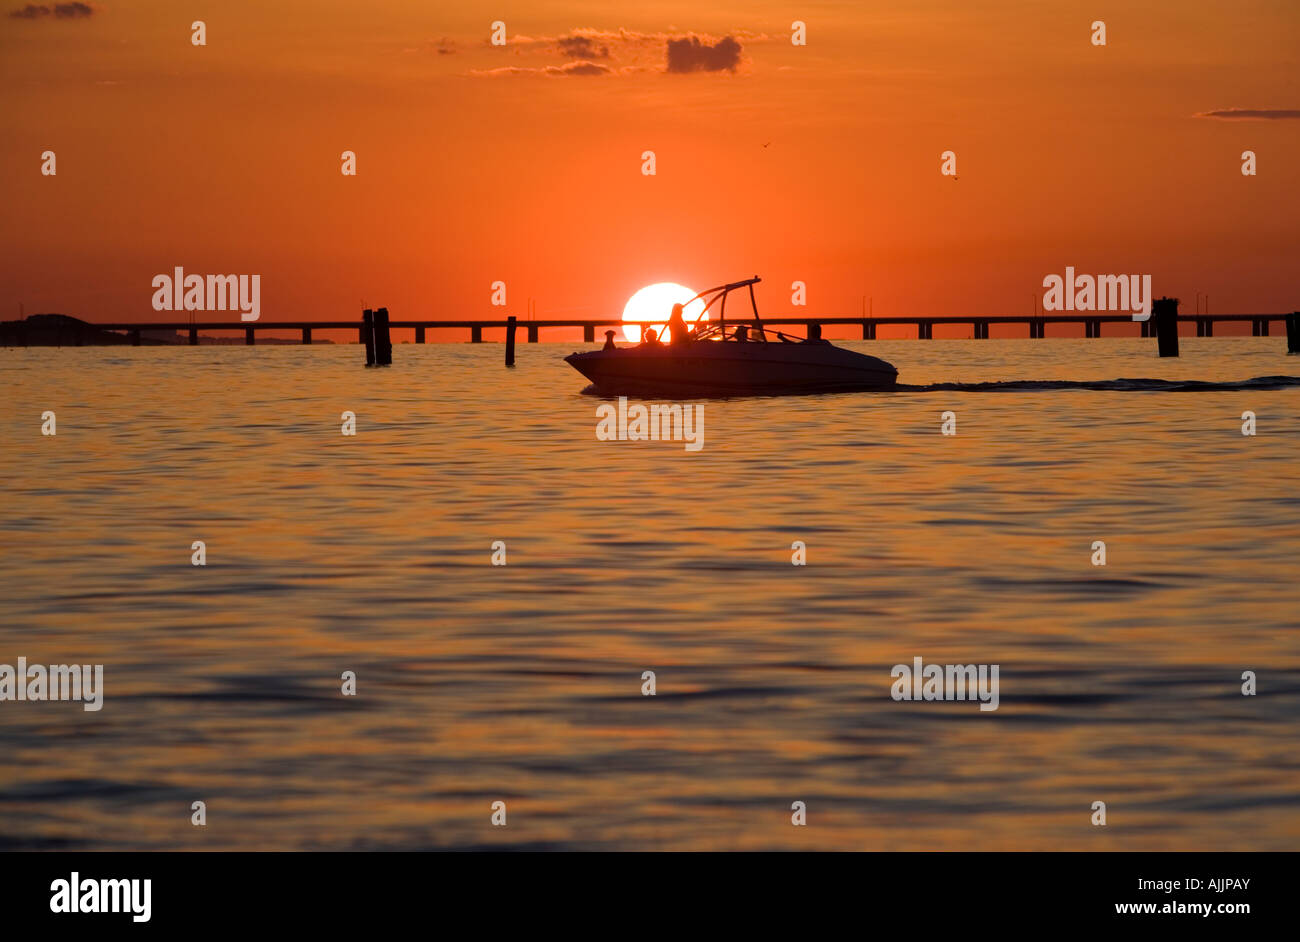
x: 655, y: 303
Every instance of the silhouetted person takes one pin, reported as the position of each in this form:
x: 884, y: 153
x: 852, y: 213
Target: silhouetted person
x: 650, y: 336
x: 742, y: 334
x: 677, y: 326
x: 609, y: 341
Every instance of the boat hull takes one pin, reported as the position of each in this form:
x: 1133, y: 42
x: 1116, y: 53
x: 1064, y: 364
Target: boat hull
x: 708, y: 368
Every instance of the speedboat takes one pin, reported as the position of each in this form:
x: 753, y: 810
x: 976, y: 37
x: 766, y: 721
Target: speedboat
x: 730, y: 359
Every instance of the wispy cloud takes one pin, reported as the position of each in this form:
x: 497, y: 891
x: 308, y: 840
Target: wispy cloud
x: 616, y: 37
x: 60, y: 11
x: 569, y: 68
x: 442, y: 47
x: 1251, y: 114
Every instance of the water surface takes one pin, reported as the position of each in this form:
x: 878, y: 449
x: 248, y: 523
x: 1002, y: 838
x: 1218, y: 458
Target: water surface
x: 522, y: 683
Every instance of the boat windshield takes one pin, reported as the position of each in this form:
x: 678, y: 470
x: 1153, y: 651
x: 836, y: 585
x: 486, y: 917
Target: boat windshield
x: 742, y: 333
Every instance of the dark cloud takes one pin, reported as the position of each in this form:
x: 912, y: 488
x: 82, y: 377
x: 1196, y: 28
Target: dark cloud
x: 581, y: 47
x: 60, y: 11
x: 691, y: 55
x: 1252, y: 114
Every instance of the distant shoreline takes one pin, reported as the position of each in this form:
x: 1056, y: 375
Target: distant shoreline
x: 60, y: 330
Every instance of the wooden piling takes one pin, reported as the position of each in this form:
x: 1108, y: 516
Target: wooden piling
x: 1293, y: 333
x: 383, y: 343
x: 1165, y: 314
x: 511, y: 324
x: 368, y: 335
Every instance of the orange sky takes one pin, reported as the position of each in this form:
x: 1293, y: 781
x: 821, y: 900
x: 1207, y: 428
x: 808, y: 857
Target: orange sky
x: 225, y: 158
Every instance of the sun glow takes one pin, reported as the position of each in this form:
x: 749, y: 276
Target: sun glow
x: 655, y: 303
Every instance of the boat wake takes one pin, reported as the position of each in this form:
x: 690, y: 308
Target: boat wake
x: 1107, y: 385
x: 1030, y: 385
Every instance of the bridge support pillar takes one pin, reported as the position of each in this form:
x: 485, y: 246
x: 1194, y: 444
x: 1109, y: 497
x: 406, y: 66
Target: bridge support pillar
x: 1164, y: 312
x: 194, y: 336
x: 248, y: 336
x: 383, y: 342
x: 306, y: 335
x: 868, y: 330
x: 588, y: 333
x: 814, y: 330
x: 532, y: 333
x: 419, y: 335
x: 924, y: 330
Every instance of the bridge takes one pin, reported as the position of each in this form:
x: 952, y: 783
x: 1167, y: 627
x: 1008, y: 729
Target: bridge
x: 924, y: 324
